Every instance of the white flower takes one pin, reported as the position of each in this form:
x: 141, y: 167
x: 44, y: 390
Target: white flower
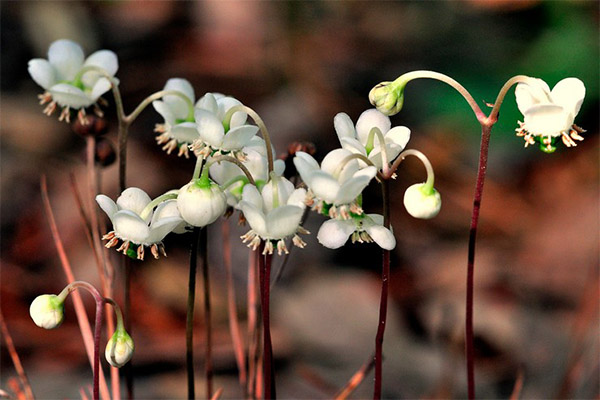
x: 119, y: 348
x: 63, y: 81
x: 368, y: 228
x: 201, y: 202
x: 47, y: 311
x: 421, y: 204
x: 334, y: 188
x: 179, y: 129
x: 273, y: 214
x: 255, y: 159
x: 210, y: 113
x: 356, y: 139
x: 549, y: 114
x: 133, y: 225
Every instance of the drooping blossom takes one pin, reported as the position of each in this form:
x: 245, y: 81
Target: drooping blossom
x: 366, y: 228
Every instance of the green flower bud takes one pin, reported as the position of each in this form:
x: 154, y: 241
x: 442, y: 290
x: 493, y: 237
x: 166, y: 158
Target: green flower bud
x: 119, y: 348
x: 47, y: 311
x: 387, y: 97
x: 201, y: 202
x: 422, y: 202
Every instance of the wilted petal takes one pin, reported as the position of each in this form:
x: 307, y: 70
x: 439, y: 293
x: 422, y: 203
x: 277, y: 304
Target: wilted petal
x: 107, y: 205
x: 42, y: 72
x: 334, y: 233
x: 370, y: 119
x: 210, y: 128
x: 134, y: 199
x: 67, y: 57
x: 283, y: 221
x: 238, y: 137
x: 129, y: 226
x: 569, y: 94
x: 70, y: 96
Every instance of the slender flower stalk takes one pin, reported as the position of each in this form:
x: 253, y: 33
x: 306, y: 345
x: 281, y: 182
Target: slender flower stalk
x: 265, y: 279
x: 189, y: 327
x: 208, y: 368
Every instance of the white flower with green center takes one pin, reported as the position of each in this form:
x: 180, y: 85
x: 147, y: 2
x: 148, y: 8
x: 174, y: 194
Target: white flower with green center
x: 47, y: 311
x: 361, y: 139
x: 549, y: 114
x: 365, y: 228
x: 201, y: 202
x: 69, y: 80
x: 273, y: 214
x: 119, y: 348
x: 215, y: 137
x: 232, y: 179
x: 422, y: 201
x: 334, y: 186
x: 179, y: 129
x: 137, y: 224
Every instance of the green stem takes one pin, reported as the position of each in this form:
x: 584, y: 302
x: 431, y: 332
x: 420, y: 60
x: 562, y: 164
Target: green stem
x: 375, y: 131
x: 261, y: 125
x: 411, y: 152
x: 208, y: 369
x: 172, y: 194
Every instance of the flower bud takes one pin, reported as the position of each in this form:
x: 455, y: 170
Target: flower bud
x: 94, y: 126
x: 119, y: 348
x: 201, y: 202
x: 422, y: 202
x: 47, y: 311
x: 105, y: 152
x: 387, y: 97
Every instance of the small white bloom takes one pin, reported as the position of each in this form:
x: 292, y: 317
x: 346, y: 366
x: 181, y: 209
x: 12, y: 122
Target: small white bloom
x: 131, y: 228
x: 368, y: 228
x: 201, y: 202
x: 273, y: 214
x: 61, y: 77
x: 356, y: 139
x: 179, y: 129
x: 334, y: 188
x: 549, y: 114
x: 47, y: 311
x: 210, y: 115
x: 119, y: 348
x: 421, y: 204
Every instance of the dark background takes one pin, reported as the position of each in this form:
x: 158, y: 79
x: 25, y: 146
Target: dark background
x: 298, y: 64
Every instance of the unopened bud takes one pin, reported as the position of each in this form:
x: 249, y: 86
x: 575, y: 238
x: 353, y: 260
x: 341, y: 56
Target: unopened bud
x: 119, y: 348
x: 201, y: 202
x: 387, y: 97
x: 47, y: 311
x: 422, y: 202
x: 105, y: 152
x: 94, y: 126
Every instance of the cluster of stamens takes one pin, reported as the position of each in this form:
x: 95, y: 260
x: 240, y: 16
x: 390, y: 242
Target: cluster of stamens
x: 568, y: 137
x: 204, y: 150
x: 254, y: 241
x: 361, y: 237
x: 170, y: 143
x: 65, y: 115
x: 113, y: 241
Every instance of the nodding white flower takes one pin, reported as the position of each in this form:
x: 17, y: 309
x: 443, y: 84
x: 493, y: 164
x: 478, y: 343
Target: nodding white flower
x: 549, y: 114
x: 64, y: 83
x: 215, y: 137
x: 201, y: 202
x: 47, y: 311
x: 137, y: 225
x: 273, y: 214
x: 119, y: 348
x: 357, y: 139
x: 366, y: 228
x: 422, y: 202
x: 333, y: 187
x: 255, y: 159
x: 179, y: 129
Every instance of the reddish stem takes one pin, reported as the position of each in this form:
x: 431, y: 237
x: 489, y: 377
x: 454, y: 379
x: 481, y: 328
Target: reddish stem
x: 265, y: 279
x: 189, y: 331
x: 207, y: 311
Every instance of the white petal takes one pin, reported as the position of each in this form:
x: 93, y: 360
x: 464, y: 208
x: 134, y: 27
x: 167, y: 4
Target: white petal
x: 324, y: 186
x: 185, y: 132
x: 179, y: 106
x: 399, y: 135
x: 129, y: 226
x: 134, y: 199
x: 376, y: 218
x: 210, y: 128
x: 536, y: 91
x: 352, y: 188
x: 344, y: 127
x: 164, y: 110
x: 42, y: 72
x: 283, y: 221
x: 334, y: 159
x: 297, y: 198
x: 238, y: 137
x: 208, y: 103
x: 284, y: 189
x: 381, y: 235
x: 102, y: 86
x: 569, y: 94
x: 255, y: 217
x: 105, y: 59
x: 107, y: 205
x: 225, y: 103
x: 547, y: 120
x: 278, y: 167
x: 168, y: 209
x: 391, y: 150
x: 70, y: 96
x: 334, y: 233
x: 252, y: 196
x: 370, y: 119
x: 67, y: 57
x: 305, y: 165
x: 162, y: 228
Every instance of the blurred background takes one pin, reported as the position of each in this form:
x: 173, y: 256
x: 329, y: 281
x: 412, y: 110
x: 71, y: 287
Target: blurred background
x: 298, y: 64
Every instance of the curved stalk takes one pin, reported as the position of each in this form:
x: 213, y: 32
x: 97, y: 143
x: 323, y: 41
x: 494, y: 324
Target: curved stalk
x: 493, y: 117
x: 235, y: 161
x: 172, y: 194
x: 375, y: 131
x: 356, y: 156
x: 411, y: 152
x: 155, y: 96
